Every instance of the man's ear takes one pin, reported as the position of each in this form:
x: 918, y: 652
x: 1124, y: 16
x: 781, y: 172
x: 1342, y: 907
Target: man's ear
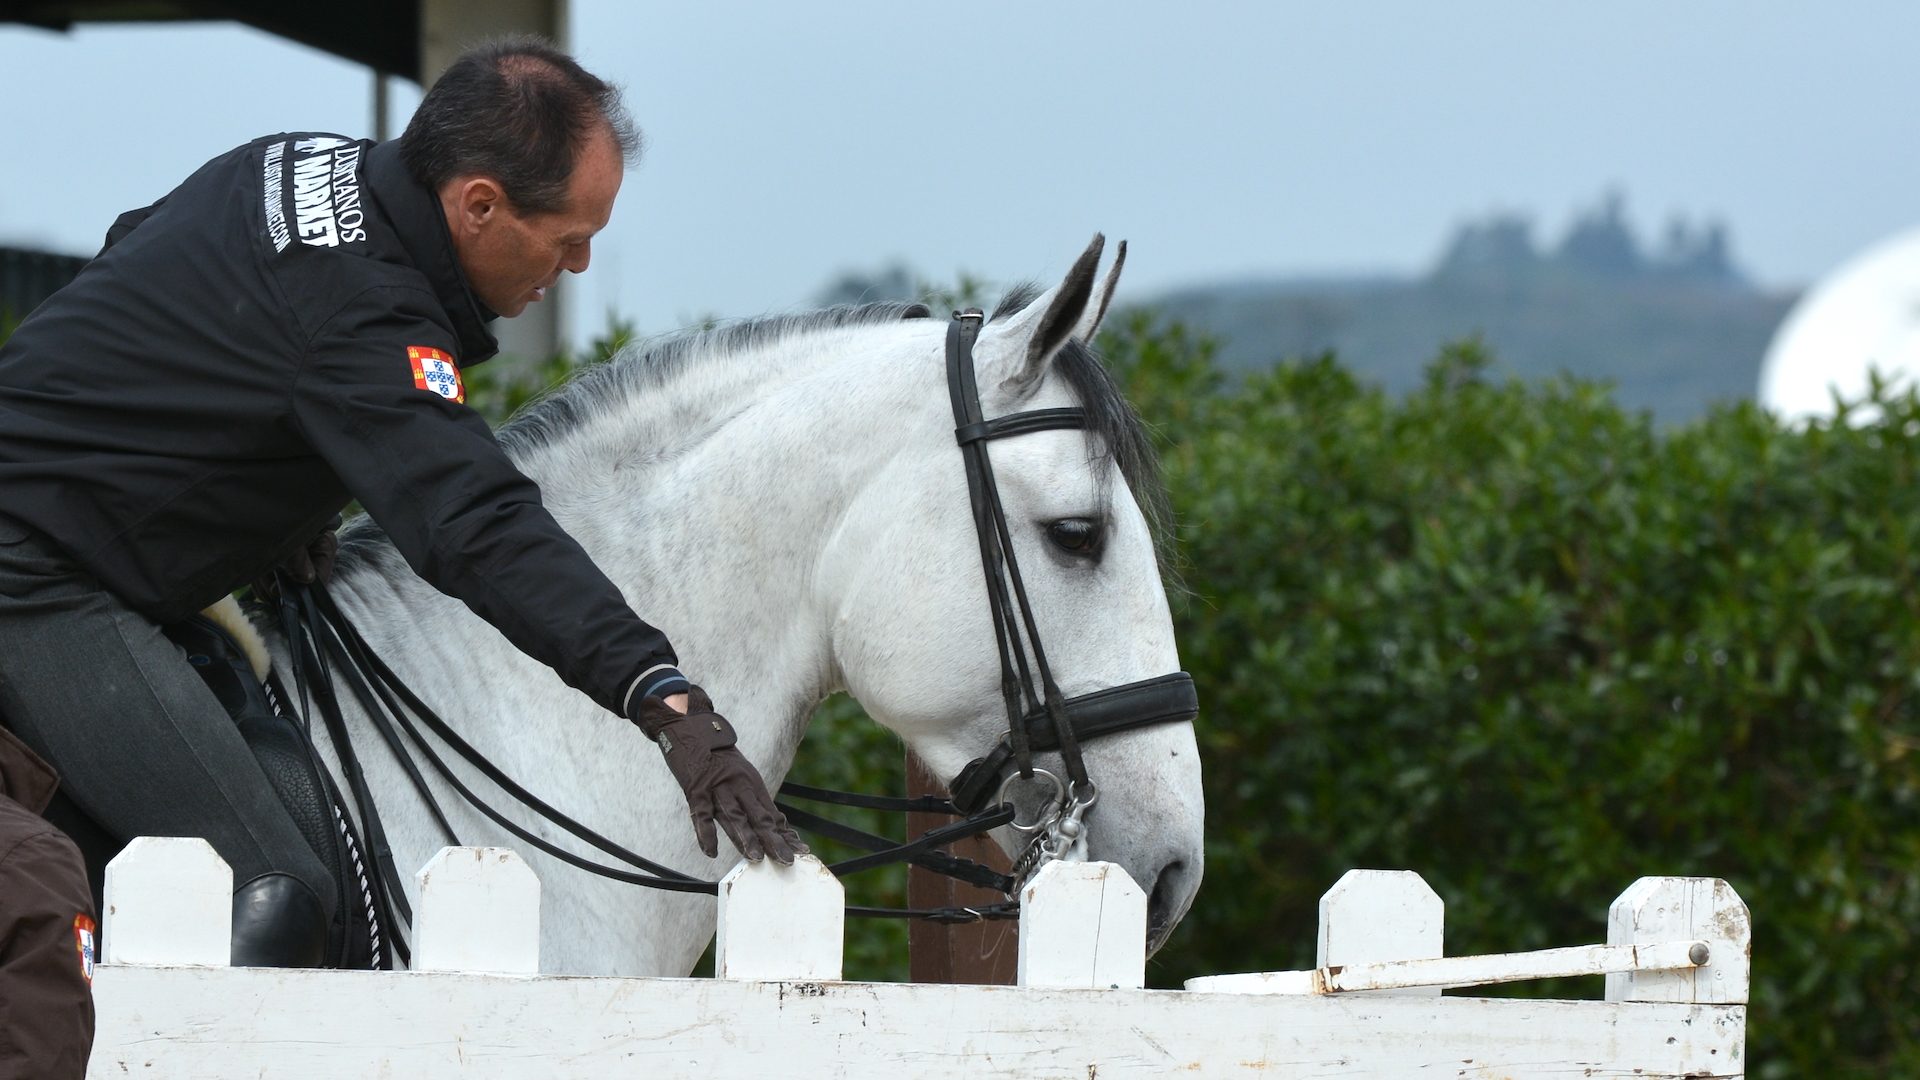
x: 471, y: 202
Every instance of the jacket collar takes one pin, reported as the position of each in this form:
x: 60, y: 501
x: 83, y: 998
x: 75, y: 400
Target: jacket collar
x: 416, y: 218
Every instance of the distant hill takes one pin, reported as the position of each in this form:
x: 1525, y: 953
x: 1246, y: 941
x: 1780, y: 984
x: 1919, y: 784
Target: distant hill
x: 1675, y: 329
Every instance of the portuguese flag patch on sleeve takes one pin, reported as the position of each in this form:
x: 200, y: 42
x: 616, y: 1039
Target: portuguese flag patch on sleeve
x: 434, y: 370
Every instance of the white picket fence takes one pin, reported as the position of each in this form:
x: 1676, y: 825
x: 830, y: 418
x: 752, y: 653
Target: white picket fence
x: 1675, y: 964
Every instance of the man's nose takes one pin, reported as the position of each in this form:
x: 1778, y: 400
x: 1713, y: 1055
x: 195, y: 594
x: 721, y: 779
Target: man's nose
x: 578, y: 257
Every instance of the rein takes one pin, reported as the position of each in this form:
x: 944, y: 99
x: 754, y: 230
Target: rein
x: 388, y: 702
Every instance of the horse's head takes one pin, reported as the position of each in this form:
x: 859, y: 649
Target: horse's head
x: 915, y: 634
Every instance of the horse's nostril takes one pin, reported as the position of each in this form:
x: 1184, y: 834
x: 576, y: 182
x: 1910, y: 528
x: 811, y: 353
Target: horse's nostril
x: 1162, y: 905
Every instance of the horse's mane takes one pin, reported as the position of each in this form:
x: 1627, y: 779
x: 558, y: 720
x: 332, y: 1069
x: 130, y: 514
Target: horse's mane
x: 1113, y: 427
x: 550, y: 417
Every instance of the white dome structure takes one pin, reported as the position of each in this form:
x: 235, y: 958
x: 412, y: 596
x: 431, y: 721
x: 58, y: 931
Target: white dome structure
x: 1863, y: 316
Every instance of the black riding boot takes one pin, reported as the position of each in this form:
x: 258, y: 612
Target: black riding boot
x: 278, y: 922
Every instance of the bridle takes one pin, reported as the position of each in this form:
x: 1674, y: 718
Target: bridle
x: 1038, y: 717
x: 323, y: 642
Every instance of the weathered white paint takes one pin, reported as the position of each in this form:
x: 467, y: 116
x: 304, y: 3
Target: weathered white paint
x: 1665, y: 908
x: 1083, y: 924
x: 1374, y: 915
x: 1438, y: 973
x: 479, y: 910
x: 169, y: 900
x: 780, y: 922
x: 223, y: 1023
x: 250, y: 1022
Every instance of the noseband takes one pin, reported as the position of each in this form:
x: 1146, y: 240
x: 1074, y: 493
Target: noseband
x: 1038, y: 717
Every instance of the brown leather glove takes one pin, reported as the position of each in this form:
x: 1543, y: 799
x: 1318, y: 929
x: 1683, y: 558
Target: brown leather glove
x: 306, y: 565
x: 721, y: 784
x: 315, y: 561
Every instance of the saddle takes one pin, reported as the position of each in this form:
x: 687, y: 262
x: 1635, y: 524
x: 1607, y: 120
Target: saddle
x: 286, y: 754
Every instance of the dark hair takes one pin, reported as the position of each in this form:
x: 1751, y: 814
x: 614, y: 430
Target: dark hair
x: 517, y: 110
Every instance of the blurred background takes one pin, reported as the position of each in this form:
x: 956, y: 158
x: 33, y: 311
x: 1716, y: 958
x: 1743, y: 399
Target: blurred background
x: 1633, y: 191
x: 1492, y: 349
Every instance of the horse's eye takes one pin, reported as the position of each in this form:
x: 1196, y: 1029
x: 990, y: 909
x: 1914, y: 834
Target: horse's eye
x: 1075, y: 536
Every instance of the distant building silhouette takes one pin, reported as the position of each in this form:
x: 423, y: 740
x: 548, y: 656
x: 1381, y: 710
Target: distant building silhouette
x: 1501, y: 245
x: 1600, y: 244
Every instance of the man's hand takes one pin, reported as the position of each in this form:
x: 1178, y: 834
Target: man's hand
x: 308, y: 564
x: 721, y: 784
x: 315, y: 561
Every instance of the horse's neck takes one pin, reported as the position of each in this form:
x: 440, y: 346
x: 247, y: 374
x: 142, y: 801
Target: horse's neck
x: 713, y: 529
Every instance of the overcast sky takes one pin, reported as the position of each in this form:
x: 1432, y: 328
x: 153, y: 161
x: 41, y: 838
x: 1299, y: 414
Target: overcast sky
x: 791, y: 142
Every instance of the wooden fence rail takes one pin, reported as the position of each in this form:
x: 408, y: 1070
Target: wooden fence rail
x: 1675, y: 966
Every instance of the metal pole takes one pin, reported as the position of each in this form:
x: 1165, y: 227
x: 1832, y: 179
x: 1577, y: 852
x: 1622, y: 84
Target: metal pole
x: 379, y: 106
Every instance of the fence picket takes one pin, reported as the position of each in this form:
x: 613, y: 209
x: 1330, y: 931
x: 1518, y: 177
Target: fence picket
x: 479, y: 911
x: 780, y: 922
x: 169, y: 900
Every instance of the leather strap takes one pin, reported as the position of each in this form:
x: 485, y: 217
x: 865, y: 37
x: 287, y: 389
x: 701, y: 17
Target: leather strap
x: 1001, y: 427
x: 360, y: 655
x: 997, y: 560
x: 1169, y: 699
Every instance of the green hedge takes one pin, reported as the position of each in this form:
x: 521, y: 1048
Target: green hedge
x: 1525, y: 643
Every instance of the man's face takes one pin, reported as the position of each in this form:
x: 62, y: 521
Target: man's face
x: 511, y: 259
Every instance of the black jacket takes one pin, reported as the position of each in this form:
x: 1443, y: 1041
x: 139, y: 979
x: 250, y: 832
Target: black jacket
x: 283, y: 332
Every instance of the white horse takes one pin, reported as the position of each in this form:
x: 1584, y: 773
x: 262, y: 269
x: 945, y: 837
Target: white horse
x: 785, y: 499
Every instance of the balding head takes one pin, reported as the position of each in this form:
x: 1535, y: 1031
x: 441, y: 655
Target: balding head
x: 519, y: 111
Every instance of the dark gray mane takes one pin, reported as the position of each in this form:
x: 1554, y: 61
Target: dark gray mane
x: 1113, y: 428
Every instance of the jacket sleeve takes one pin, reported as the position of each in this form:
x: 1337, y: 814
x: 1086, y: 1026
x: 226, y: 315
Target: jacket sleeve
x: 128, y: 222
x: 464, y: 517
x: 45, y: 996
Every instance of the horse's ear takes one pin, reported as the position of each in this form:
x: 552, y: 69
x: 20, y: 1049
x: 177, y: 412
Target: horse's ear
x: 1014, y: 354
x: 1103, y: 296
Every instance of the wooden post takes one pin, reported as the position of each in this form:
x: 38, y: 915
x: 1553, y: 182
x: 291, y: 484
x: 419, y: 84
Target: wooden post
x: 169, y: 901
x: 983, y: 953
x: 1657, y: 909
x: 781, y: 923
x: 1084, y: 925
x: 1376, y: 915
x: 479, y: 911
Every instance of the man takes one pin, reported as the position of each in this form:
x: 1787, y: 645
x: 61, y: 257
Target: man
x: 283, y: 332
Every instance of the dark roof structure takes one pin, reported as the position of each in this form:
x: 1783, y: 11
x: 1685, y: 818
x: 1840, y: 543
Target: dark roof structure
x: 381, y: 34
